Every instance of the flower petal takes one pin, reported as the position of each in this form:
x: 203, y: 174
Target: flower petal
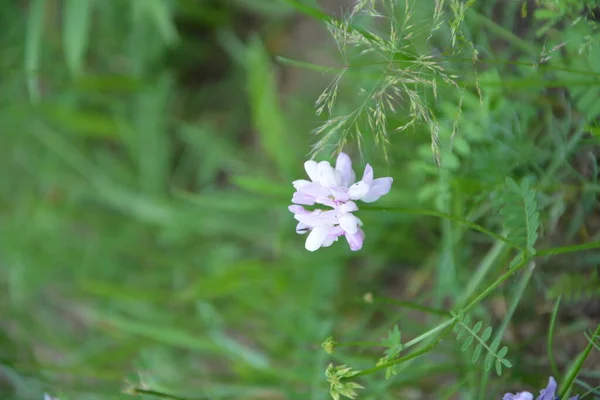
x: 296, y: 209
x: 518, y: 396
x: 355, y: 240
x: 344, y: 165
x: 358, y: 190
x: 340, y: 194
x: 368, y: 175
x: 314, y: 190
x: 328, y: 176
x: 312, y: 170
x: 316, y: 238
x: 302, y: 228
x: 380, y: 187
x: 349, y: 223
x: 302, y: 198
x: 318, y: 218
x: 550, y: 392
x: 331, y: 239
x: 300, y: 183
x: 348, y: 207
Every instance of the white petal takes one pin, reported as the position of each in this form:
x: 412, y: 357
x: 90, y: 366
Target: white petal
x: 312, y: 170
x: 344, y: 166
x: 331, y: 239
x: 329, y: 177
x: 300, y: 183
x: 316, y: 238
x: 349, y: 223
x: 380, y: 187
x: 358, y: 190
x: 348, y: 207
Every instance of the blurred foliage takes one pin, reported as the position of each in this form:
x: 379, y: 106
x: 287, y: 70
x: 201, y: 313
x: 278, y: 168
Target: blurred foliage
x: 147, y: 153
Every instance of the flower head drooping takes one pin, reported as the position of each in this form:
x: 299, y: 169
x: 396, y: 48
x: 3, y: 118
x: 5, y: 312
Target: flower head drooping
x: 335, y: 188
x: 549, y: 393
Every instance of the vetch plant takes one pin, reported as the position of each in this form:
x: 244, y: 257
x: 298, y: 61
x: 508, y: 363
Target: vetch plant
x: 549, y: 393
x: 335, y: 188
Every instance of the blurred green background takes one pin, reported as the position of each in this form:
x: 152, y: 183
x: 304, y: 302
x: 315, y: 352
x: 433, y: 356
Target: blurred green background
x: 147, y: 152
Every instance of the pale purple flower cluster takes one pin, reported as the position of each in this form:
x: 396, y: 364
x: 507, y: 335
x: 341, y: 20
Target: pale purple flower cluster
x: 335, y: 188
x: 546, y: 394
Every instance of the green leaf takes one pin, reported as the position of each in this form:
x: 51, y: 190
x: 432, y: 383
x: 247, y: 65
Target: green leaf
x: 158, y: 13
x: 477, y: 327
x: 489, y: 361
x: 498, y: 367
x: 502, y: 352
x: 76, y: 27
x: 486, y: 334
x: 477, y: 353
x: 520, y: 215
x: 467, y: 343
x: 267, y: 116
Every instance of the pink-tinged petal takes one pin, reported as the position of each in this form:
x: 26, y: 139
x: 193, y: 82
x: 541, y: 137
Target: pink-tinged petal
x: 296, y: 209
x: 315, y: 190
x: 348, y: 223
x: 300, y: 183
x: 344, y: 165
x: 326, y: 201
x: 317, y: 218
x: 358, y: 190
x: 312, y: 170
x: 316, y: 238
x: 339, y: 194
x: 328, y: 176
x: 302, y: 198
x: 302, y: 228
x: 380, y: 187
x: 368, y: 175
x: 348, y: 207
x: 355, y: 240
x: 337, y: 231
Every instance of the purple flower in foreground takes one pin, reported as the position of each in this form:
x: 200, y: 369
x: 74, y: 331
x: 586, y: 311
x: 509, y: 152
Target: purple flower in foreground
x: 545, y: 394
x: 335, y: 188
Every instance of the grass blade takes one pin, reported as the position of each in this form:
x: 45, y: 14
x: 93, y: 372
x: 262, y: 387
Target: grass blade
x: 33, y: 47
x: 76, y: 29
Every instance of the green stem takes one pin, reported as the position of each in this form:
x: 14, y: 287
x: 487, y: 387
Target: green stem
x: 414, y: 306
x: 430, y: 332
x: 524, y: 45
x: 515, y: 300
x: 568, y: 249
x: 483, y: 269
x: 567, y: 382
x: 433, y: 213
x: 161, y: 395
x: 359, y: 343
x: 320, y: 15
x: 408, y: 357
x: 553, y: 366
x: 494, y: 285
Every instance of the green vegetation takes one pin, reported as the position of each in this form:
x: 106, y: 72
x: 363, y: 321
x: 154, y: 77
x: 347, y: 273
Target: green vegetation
x: 147, y: 153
